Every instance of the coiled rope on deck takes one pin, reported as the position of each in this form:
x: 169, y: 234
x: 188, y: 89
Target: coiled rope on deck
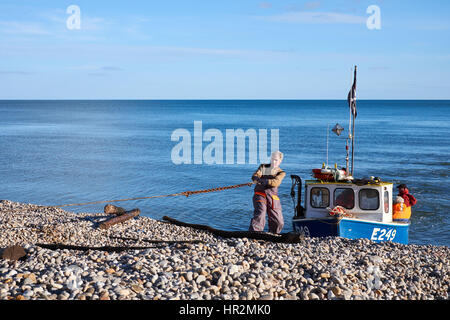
x: 184, y: 193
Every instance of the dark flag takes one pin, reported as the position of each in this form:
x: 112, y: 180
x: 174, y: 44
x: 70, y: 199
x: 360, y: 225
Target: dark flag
x: 351, y: 98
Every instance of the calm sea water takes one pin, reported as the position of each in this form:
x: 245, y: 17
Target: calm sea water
x: 58, y: 152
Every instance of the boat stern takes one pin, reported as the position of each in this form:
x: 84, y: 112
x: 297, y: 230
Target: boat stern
x: 375, y: 231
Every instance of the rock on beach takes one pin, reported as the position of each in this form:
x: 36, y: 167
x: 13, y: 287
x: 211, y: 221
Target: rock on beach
x: 217, y: 268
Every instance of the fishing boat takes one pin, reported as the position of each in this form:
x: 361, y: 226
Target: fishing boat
x: 337, y: 204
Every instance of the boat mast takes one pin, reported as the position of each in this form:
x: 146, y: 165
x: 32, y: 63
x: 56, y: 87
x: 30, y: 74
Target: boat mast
x: 353, y: 146
x: 328, y: 133
x: 353, y: 126
x: 349, y: 134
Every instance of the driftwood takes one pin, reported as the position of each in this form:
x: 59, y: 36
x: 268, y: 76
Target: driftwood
x: 58, y: 246
x: 111, y: 209
x: 14, y: 252
x: 290, y: 237
x: 157, y: 241
x: 118, y: 219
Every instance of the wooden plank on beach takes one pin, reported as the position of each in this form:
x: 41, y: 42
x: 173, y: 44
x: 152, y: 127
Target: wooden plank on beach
x: 290, y: 237
x: 58, y: 246
x: 194, y: 241
x: 14, y: 252
x: 121, y: 218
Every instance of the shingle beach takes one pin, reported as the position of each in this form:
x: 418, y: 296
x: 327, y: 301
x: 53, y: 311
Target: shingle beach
x: 215, y: 268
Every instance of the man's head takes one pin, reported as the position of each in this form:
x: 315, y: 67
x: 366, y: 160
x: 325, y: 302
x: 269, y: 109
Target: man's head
x: 403, y: 188
x: 276, y: 159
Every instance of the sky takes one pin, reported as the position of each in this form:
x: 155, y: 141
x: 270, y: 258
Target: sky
x: 243, y: 49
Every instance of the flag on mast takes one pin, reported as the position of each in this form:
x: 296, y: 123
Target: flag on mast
x: 351, y: 98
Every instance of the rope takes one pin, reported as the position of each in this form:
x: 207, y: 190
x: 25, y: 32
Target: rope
x: 338, y: 220
x: 185, y: 193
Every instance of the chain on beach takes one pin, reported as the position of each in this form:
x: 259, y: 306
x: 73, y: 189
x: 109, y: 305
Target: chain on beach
x: 184, y: 193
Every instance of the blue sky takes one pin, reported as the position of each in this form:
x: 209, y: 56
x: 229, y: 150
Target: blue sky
x: 245, y: 49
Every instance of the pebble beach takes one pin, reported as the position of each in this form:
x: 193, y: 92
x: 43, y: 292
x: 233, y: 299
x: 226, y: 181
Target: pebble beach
x: 213, y: 268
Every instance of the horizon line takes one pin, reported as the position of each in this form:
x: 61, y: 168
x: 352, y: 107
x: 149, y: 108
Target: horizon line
x: 215, y: 99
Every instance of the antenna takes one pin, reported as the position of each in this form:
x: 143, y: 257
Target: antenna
x: 328, y: 133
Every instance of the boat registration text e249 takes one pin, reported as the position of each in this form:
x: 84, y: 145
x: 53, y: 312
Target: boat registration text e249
x: 382, y: 234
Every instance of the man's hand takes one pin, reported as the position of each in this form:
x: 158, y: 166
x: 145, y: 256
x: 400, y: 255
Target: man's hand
x: 262, y: 181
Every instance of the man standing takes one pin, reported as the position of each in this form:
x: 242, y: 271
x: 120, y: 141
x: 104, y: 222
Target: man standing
x: 268, y: 178
x: 402, y: 207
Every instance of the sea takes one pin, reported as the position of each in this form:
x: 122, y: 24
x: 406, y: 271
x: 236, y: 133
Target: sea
x: 61, y: 152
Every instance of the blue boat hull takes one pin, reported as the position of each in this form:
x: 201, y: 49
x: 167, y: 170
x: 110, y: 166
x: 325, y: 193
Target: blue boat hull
x: 353, y: 229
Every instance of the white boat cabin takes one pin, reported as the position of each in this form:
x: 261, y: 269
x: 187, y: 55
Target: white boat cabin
x: 372, y: 201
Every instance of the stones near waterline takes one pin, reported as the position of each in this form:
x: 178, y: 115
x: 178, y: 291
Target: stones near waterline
x: 217, y: 268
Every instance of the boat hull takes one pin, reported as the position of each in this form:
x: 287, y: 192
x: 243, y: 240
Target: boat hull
x: 323, y: 227
x: 352, y: 229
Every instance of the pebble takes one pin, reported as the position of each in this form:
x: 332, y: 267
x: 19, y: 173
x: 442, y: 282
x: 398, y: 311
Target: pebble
x: 122, y: 292
x: 103, y: 296
x: 28, y: 293
x: 200, y: 279
x: 315, y: 269
x: 313, y: 296
x: 136, y: 288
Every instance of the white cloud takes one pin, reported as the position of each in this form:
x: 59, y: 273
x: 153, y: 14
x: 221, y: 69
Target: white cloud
x: 207, y: 51
x: 95, y: 69
x: 21, y: 73
x: 316, y: 18
x: 311, y: 5
x: 22, y: 28
x: 94, y: 23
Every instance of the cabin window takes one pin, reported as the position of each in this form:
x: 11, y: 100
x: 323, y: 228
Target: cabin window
x: 320, y: 197
x: 344, y: 197
x: 369, y: 199
x: 386, y: 202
